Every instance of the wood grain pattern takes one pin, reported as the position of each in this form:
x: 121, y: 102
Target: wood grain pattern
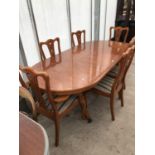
x: 31, y: 137
x: 79, y: 71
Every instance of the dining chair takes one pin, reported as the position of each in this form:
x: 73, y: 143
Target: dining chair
x: 53, y: 107
x: 24, y: 93
x: 130, y: 59
x: 22, y: 82
x: 78, y: 35
x: 110, y: 86
x: 132, y: 42
x: 50, y: 44
x: 115, y: 70
x: 118, y: 31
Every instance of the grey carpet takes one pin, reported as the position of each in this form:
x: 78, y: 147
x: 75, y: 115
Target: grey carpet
x: 102, y: 136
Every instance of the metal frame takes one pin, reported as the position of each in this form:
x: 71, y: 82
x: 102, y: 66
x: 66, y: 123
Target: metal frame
x: 21, y: 52
x: 69, y: 17
x: 91, y: 14
x: 105, y: 21
x: 97, y: 19
x: 33, y: 22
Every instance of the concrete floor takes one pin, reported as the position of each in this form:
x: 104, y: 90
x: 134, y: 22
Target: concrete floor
x: 102, y: 136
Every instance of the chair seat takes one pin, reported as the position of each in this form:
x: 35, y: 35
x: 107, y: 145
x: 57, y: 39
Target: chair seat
x: 61, y: 106
x: 114, y: 71
x: 64, y: 105
x: 105, y: 85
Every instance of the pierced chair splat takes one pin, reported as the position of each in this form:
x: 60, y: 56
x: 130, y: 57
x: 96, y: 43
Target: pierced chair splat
x: 50, y: 43
x: 118, y: 31
x: 79, y: 38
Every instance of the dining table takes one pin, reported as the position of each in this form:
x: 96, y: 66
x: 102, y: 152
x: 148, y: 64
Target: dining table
x: 82, y: 67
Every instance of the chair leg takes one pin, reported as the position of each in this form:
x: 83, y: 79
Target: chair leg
x: 124, y: 86
x: 119, y: 95
x: 122, y: 98
x: 112, y: 107
x: 57, y: 131
x: 35, y: 119
x: 82, y: 108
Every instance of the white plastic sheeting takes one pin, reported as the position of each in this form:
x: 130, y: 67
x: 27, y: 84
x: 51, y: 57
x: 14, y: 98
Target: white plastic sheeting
x: 111, y: 15
x: 27, y: 35
x: 81, y: 16
x: 102, y: 19
x: 52, y: 21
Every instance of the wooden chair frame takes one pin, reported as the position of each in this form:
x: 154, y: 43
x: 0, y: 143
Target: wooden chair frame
x: 118, y: 85
x: 128, y: 64
x: 55, y: 112
x: 50, y: 45
x: 118, y: 32
x: 22, y: 82
x: 132, y: 46
x: 78, y: 35
x: 132, y: 42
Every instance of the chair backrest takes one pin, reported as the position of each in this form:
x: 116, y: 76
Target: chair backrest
x: 118, y: 31
x: 78, y: 35
x: 22, y: 82
x: 123, y: 65
x: 130, y: 58
x: 33, y: 77
x: 24, y: 93
x: 51, y: 48
x: 132, y: 42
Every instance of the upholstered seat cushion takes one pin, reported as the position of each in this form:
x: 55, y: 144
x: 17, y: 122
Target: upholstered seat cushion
x: 63, y: 105
x: 114, y: 71
x: 105, y: 85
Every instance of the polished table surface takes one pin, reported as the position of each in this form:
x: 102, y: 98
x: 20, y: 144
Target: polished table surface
x: 81, y: 67
x: 32, y: 137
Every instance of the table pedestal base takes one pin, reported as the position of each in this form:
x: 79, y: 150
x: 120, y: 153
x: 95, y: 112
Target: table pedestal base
x: 84, y: 107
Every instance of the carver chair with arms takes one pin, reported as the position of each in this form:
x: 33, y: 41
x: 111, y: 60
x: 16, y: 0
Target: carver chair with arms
x: 52, y: 106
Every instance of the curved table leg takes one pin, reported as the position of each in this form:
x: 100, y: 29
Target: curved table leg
x: 84, y: 107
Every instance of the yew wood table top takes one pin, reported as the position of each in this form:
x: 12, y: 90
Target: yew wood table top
x: 32, y: 137
x: 81, y: 68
